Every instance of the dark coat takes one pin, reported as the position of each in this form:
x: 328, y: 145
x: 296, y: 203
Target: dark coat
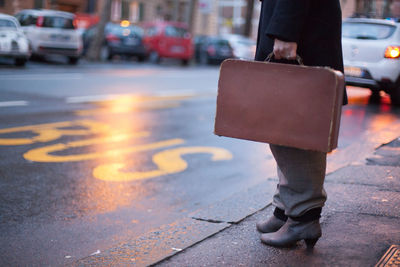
x: 315, y: 25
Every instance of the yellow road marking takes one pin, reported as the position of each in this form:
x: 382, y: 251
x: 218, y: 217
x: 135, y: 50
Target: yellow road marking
x: 168, y: 162
x: 42, y: 154
x: 52, y: 131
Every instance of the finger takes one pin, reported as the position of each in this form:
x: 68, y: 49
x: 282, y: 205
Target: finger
x: 292, y: 51
x: 278, y: 54
x: 291, y: 56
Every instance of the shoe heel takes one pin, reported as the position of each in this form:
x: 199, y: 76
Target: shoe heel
x: 311, y: 242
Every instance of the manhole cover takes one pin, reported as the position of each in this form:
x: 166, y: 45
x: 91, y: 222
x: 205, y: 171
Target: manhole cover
x: 391, y: 258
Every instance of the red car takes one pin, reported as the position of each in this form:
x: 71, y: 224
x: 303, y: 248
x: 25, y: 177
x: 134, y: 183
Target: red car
x: 168, y: 40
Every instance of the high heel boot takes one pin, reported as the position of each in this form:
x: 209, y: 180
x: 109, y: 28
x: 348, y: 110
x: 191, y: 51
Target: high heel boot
x: 292, y: 232
x: 305, y: 227
x: 274, y: 223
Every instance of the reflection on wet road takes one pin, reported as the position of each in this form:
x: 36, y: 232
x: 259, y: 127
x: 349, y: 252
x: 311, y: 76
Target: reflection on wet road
x: 361, y: 115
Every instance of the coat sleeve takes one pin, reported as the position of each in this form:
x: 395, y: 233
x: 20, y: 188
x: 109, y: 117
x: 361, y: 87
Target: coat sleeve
x: 288, y: 19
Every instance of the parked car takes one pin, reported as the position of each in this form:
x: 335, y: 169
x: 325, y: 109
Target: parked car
x: 213, y: 49
x: 371, y: 52
x: 51, y: 32
x: 13, y: 43
x: 168, y: 40
x: 243, y: 47
x: 120, y: 39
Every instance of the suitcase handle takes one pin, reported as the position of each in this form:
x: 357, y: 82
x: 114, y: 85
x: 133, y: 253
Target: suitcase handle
x: 271, y: 55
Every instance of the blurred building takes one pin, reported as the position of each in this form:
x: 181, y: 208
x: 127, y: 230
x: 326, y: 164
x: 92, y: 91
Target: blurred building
x: 74, y: 6
x: 371, y: 8
x: 232, y: 16
x: 203, y: 16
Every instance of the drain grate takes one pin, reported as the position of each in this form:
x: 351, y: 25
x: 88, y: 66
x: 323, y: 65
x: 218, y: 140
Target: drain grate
x: 391, y: 258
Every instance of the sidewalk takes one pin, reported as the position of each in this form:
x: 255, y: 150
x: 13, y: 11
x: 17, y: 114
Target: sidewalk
x: 360, y: 222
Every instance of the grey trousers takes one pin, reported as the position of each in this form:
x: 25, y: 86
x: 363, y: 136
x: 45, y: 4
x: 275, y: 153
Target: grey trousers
x: 301, y: 180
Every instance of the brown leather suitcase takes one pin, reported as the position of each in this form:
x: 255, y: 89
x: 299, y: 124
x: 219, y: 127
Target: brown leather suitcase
x: 282, y: 104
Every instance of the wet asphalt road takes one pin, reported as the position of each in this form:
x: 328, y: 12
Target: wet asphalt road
x: 96, y: 154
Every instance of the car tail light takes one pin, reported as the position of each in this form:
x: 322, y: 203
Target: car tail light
x: 211, y: 50
x: 39, y: 21
x: 112, y: 38
x: 392, y: 52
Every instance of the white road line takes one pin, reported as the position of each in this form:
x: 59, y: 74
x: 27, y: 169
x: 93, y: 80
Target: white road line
x: 41, y: 77
x: 171, y: 93
x: 90, y: 98
x: 13, y: 103
x: 100, y: 98
x: 108, y: 97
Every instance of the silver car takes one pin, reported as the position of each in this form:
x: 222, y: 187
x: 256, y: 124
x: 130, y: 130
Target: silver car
x: 243, y: 47
x: 13, y: 43
x: 371, y: 52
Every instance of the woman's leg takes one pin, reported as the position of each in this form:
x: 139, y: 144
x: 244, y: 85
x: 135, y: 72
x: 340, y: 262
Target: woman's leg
x: 301, y: 193
x: 275, y: 222
x: 301, y: 178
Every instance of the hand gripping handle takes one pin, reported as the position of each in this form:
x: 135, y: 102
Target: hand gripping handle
x: 271, y: 55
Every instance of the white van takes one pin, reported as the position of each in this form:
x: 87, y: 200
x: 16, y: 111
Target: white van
x: 51, y: 32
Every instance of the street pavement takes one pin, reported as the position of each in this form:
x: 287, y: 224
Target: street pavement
x: 360, y: 224
x: 116, y: 164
